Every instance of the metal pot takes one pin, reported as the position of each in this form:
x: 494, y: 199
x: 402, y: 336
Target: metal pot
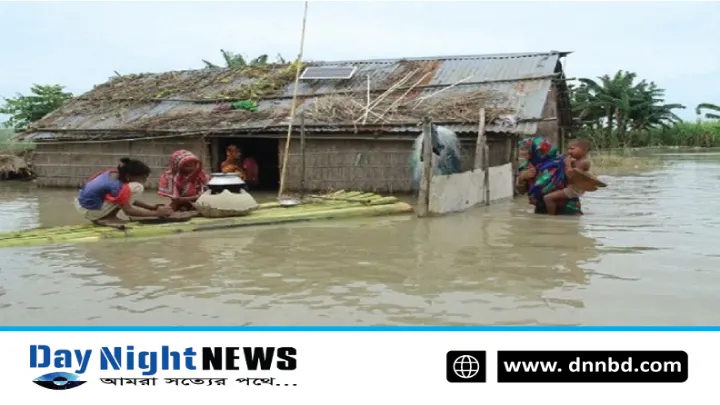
x: 226, y: 181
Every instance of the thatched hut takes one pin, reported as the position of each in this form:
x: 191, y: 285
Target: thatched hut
x: 149, y: 116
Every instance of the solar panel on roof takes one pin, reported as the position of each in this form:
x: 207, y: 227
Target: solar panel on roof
x: 328, y: 73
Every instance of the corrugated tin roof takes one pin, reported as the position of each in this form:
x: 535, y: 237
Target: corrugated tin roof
x: 523, y: 79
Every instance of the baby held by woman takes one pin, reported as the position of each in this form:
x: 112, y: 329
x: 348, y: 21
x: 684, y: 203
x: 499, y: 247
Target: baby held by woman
x: 576, y: 160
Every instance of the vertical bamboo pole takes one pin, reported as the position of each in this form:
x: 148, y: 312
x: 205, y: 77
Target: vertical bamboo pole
x: 486, y: 168
x: 480, y: 142
x: 482, y: 155
x: 302, y: 155
x: 423, y: 209
x: 514, y: 160
x: 298, y: 62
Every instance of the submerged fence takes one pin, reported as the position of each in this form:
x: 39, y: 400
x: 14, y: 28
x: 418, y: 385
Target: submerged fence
x: 441, y: 194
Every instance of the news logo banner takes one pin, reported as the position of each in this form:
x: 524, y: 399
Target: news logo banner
x: 592, y: 366
x: 70, y: 364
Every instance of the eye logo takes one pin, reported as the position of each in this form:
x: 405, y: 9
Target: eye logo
x: 58, y: 381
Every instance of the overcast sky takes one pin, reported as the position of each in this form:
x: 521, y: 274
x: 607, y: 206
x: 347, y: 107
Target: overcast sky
x: 80, y: 44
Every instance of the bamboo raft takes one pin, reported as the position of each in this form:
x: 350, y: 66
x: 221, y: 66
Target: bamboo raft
x: 336, y: 205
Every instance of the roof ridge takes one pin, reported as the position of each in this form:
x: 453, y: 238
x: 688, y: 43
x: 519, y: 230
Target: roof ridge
x: 449, y: 57
x: 388, y: 61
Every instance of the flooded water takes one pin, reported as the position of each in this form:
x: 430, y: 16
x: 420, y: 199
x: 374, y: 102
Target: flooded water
x: 645, y: 253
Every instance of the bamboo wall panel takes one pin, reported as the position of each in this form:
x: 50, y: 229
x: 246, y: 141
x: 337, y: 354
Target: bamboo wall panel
x: 373, y: 166
x: 367, y: 165
x: 70, y: 165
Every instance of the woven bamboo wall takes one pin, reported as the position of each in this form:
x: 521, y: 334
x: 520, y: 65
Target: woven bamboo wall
x: 366, y: 165
x: 70, y: 165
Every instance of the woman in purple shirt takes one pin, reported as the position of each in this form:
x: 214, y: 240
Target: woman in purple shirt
x: 108, y: 192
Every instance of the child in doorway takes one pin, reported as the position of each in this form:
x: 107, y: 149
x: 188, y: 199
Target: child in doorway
x: 110, y: 191
x: 245, y: 167
x: 576, y: 160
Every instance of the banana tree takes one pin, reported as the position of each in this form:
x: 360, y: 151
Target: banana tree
x: 620, y: 105
x: 710, y: 115
x: 236, y: 60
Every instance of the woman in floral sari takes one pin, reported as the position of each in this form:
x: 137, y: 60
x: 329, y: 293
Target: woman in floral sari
x: 183, y: 181
x: 542, y: 173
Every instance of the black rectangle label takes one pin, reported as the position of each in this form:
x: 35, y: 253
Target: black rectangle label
x: 592, y: 366
x: 466, y: 366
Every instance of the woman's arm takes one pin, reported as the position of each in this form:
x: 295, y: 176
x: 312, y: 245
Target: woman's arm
x: 145, y: 205
x: 521, y: 187
x: 133, y: 211
x: 527, y: 174
x: 192, y: 198
x: 568, y: 164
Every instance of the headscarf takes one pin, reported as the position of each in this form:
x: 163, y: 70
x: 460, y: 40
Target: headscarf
x: 541, y: 151
x: 173, y: 184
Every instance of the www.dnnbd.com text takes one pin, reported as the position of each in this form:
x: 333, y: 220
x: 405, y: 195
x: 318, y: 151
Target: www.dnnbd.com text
x: 602, y: 366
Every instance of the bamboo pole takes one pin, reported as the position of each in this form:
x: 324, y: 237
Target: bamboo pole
x: 482, y: 155
x: 333, y: 205
x: 302, y: 155
x: 293, y: 106
x: 514, y: 160
x: 480, y: 141
x: 427, y: 156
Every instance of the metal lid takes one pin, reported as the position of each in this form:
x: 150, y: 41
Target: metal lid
x: 225, y: 179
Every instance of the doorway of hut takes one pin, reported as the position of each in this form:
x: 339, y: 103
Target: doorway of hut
x: 265, y: 153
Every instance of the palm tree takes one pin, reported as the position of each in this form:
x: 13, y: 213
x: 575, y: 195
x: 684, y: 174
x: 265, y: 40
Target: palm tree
x: 235, y: 60
x: 707, y: 106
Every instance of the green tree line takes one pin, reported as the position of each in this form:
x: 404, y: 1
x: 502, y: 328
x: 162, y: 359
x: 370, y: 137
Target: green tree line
x: 622, y: 111
x: 614, y: 111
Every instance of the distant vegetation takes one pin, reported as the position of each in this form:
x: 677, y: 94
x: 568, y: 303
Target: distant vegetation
x: 24, y: 110
x: 10, y: 145
x: 619, y: 112
x: 42, y: 100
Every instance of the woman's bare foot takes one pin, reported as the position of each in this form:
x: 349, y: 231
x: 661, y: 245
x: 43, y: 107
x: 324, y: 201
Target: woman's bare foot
x: 112, y: 221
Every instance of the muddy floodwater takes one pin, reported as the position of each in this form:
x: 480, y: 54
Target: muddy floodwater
x: 645, y: 253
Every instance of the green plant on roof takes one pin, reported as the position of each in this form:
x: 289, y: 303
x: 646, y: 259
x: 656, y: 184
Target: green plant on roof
x: 248, y: 105
x: 269, y: 78
x: 43, y: 99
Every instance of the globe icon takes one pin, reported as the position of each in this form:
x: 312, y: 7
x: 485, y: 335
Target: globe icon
x: 466, y: 367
